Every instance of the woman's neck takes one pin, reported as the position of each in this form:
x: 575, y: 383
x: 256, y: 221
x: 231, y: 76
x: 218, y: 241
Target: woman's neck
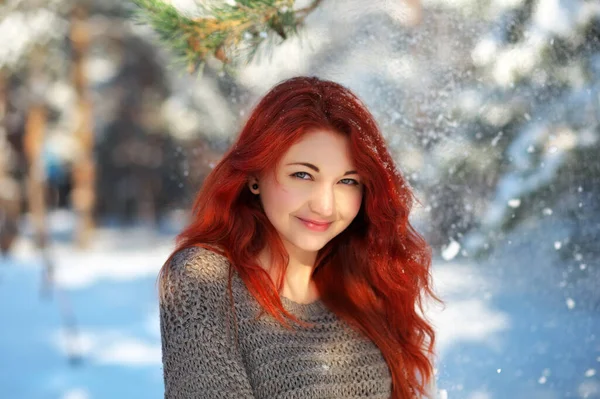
x: 298, y: 285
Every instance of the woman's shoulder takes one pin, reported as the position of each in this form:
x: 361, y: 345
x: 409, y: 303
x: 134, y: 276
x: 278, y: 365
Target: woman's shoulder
x: 197, y: 265
x: 193, y: 288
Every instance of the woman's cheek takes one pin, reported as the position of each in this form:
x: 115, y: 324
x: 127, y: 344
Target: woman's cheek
x: 290, y: 196
x: 357, y: 201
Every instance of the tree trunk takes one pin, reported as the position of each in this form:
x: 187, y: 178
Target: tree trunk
x: 10, y: 195
x: 84, y: 169
x: 36, y: 180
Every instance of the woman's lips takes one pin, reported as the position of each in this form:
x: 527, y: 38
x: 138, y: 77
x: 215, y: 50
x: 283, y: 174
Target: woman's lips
x: 315, y: 226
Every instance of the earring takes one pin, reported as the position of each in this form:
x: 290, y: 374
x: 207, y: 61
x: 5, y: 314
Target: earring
x: 255, y: 186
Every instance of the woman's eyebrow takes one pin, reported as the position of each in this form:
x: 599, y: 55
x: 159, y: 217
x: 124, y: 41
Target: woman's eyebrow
x: 313, y: 167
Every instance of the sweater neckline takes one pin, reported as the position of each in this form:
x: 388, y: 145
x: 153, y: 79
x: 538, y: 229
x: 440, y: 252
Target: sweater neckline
x: 314, y: 308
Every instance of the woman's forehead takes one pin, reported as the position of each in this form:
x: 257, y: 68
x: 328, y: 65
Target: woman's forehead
x: 320, y: 144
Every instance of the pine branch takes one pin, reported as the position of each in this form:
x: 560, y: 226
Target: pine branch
x: 167, y: 22
x: 230, y: 33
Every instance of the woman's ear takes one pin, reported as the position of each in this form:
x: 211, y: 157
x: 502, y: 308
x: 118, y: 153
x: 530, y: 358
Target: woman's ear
x: 253, y: 185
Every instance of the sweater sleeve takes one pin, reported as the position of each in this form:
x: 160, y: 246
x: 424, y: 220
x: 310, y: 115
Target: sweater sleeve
x: 198, y: 359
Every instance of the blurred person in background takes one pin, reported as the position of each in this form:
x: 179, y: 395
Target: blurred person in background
x: 305, y: 220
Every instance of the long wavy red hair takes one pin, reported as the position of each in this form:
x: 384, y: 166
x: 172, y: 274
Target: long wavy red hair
x: 375, y: 274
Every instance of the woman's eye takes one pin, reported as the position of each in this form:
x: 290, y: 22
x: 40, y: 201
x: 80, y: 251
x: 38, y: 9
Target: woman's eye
x: 300, y: 173
x: 352, y: 182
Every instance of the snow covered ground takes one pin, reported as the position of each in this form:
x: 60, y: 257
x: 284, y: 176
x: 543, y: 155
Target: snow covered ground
x: 500, y: 335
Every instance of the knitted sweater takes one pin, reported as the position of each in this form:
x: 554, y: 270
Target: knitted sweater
x: 201, y: 359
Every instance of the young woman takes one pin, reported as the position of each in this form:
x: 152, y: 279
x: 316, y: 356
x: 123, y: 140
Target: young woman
x: 299, y: 275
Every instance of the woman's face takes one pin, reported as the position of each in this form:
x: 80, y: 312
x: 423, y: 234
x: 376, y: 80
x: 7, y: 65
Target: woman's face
x: 322, y: 189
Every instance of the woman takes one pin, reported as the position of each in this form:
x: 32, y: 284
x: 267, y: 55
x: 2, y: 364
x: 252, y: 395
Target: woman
x: 299, y: 275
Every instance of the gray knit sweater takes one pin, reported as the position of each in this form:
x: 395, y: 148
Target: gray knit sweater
x: 201, y: 359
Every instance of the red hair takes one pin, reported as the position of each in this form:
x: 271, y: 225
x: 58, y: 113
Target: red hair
x: 374, y: 274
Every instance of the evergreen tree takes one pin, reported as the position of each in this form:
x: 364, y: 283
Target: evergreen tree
x: 531, y: 127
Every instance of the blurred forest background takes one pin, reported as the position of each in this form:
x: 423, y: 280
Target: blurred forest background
x: 491, y: 109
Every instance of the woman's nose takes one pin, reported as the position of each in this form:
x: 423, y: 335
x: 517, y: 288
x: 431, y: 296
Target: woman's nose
x: 323, y: 201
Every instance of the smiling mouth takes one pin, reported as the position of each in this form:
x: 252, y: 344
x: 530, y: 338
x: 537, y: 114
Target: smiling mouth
x: 322, y: 224
x: 315, y: 227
